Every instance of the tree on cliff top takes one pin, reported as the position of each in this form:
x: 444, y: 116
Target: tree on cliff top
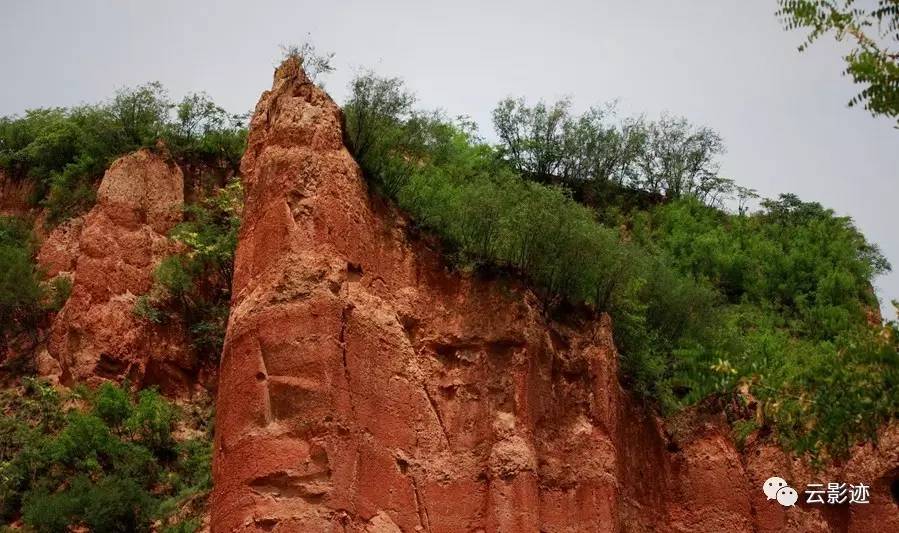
x: 669, y: 157
x: 314, y: 63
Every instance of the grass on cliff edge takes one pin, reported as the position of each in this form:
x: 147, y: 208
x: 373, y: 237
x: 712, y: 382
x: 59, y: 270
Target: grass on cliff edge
x: 704, y: 303
x: 106, y: 459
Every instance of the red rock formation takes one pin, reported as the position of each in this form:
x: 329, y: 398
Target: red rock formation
x: 59, y: 250
x: 111, y: 255
x: 363, y: 387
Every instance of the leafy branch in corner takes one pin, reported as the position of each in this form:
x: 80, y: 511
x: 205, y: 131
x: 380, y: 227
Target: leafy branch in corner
x: 874, y: 32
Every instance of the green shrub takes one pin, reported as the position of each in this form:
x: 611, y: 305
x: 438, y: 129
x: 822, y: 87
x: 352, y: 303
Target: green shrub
x: 797, y: 284
x: 21, y: 293
x: 196, y: 285
x: 60, y: 288
x: 111, y: 464
x: 152, y: 422
x: 53, y: 513
x: 117, y: 504
x: 113, y: 504
x: 173, y: 277
x: 145, y: 308
x: 203, y: 131
x: 112, y: 405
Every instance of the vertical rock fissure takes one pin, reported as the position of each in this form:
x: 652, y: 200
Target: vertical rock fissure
x: 267, y: 398
x: 437, y: 414
x: 420, y: 507
x: 344, y: 317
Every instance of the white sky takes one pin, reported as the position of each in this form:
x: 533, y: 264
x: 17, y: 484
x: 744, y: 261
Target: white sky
x: 726, y: 64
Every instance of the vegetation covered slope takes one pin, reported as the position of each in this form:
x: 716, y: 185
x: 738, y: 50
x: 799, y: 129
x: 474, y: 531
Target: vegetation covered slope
x: 770, y: 311
x: 64, y: 152
x: 112, y: 459
x: 106, y: 459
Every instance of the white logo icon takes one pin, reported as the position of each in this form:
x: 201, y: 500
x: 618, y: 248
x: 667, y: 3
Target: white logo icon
x: 787, y: 496
x: 773, y: 485
x: 776, y: 488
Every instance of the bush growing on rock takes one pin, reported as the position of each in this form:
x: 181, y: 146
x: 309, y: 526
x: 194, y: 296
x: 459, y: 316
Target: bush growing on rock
x: 104, y: 459
x: 196, y: 284
x: 775, y: 304
x: 20, y: 290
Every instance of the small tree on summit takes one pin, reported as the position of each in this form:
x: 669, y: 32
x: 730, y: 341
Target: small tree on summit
x: 313, y: 61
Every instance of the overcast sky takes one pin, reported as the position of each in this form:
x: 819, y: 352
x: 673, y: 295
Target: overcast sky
x: 726, y: 64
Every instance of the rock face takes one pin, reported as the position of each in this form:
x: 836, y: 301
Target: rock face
x: 14, y: 195
x: 59, y: 250
x: 110, y: 255
x: 363, y: 387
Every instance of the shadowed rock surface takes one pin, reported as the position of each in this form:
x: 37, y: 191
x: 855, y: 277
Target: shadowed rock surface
x: 364, y: 387
x: 14, y: 195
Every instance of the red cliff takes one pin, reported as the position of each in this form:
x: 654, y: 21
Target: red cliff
x: 364, y: 387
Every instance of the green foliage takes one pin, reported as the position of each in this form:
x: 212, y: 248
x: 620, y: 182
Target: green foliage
x: 24, y: 300
x: 742, y: 430
x: 797, y: 283
x: 587, y: 152
x: 20, y: 291
x: 378, y: 119
x: 810, y: 266
x: 109, y: 464
x: 535, y: 139
x: 59, y: 290
x: 679, y: 159
x: 196, y: 284
x: 145, y: 308
x: 65, y: 151
x: 112, y: 405
x: 772, y: 305
x: 873, y: 29
x: 203, y: 131
x: 141, y: 113
x: 152, y: 422
x: 173, y: 277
